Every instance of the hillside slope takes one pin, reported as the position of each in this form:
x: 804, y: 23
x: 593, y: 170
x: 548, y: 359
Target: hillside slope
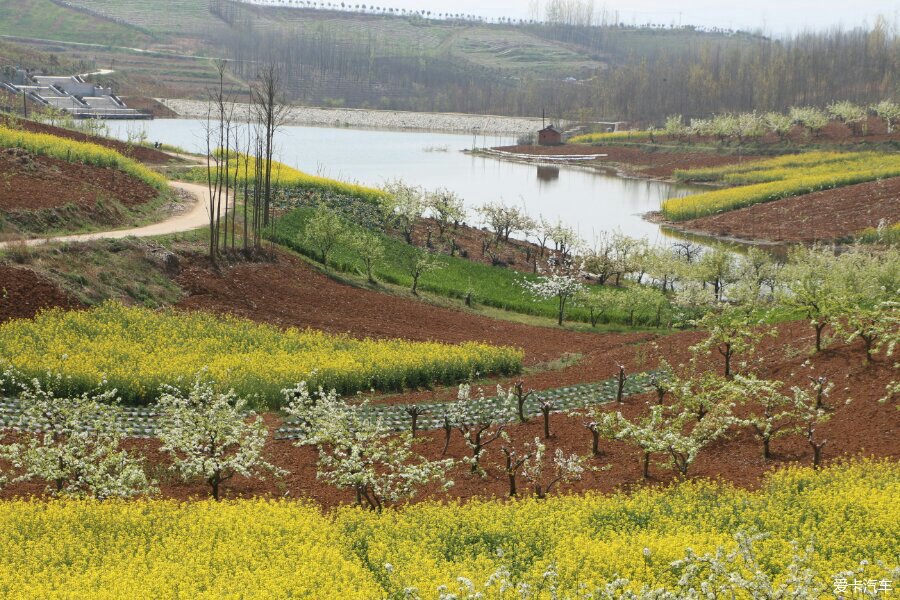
x: 49, y: 20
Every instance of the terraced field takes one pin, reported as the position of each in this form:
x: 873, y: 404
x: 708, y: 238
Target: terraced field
x: 138, y: 73
x: 46, y: 19
x: 494, y: 47
x: 154, y: 16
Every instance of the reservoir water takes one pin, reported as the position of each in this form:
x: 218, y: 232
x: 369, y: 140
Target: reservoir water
x: 588, y: 200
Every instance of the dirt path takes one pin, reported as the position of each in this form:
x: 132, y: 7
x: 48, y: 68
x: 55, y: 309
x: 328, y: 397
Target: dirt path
x: 197, y: 216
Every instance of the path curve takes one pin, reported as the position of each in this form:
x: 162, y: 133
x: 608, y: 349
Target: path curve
x: 197, y: 216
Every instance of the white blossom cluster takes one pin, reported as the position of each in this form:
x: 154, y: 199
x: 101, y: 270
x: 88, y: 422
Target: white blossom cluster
x: 77, y: 449
x: 358, y: 453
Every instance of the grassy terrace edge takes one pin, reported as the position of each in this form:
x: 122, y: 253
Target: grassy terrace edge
x: 496, y: 287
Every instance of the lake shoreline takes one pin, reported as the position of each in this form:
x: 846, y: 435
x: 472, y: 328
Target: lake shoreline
x: 362, y: 118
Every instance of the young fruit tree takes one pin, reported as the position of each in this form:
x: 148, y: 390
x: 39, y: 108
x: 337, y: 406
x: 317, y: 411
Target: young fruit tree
x: 779, y: 123
x: 544, y: 471
x: 661, y: 380
x: 718, y: 269
x: 212, y: 436
x: 561, y: 281
x: 517, y: 396
x: 814, y: 119
x: 700, y: 393
x: 601, y: 425
x: 446, y: 208
x: 809, y: 413
x: 811, y: 285
x: 514, y: 461
x: 367, y: 245
x: 773, y: 413
x: 683, y: 440
x: 758, y: 276
x: 359, y: 453
x: 479, y: 423
x: 866, y: 324
x: 731, y: 330
x: 324, y: 232
x: 505, y: 220
x: 77, y: 449
x: 675, y: 431
x: 421, y: 262
x: 889, y: 112
x: 645, y: 433
x: 599, y: 301
x: 404, y: 208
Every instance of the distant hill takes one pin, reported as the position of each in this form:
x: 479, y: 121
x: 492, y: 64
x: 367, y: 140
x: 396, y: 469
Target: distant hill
x: 412, y: 61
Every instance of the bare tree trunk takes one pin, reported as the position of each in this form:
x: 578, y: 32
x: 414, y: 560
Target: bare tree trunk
x: 270, y: 114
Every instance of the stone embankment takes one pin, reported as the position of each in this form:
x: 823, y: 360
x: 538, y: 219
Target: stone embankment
x: 380, y: 119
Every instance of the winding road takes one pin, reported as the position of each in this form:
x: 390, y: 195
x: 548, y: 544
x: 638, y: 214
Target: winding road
x: 197, y: 216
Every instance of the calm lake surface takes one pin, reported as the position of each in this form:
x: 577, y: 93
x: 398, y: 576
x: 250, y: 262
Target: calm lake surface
x: 587, y: 200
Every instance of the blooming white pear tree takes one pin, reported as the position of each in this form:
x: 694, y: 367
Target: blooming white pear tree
x: 212, y: 435
x: 811, y: 414
x: 731, y: 330
x: 405, y: 207
x: 76, y: 447
x: 544, y: 471
x: 561, y: 280
x: 446, y: 208
x: 505, y: 220
x: 675, y: 431
x: 359, y: 453
x: 773, y: 416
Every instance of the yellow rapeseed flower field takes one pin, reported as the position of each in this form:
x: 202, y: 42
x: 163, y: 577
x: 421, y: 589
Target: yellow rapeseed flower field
x: 161, y: 550
x: 242, y: 168
x: 610, y: 136
x: 73, y: 151
x: 763, y: 181
x: 281, y: 549
x: 138, y: 350
x: 850, y: 512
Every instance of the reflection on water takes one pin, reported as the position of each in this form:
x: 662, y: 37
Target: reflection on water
x: 545, y: 174
x: 587, y: 200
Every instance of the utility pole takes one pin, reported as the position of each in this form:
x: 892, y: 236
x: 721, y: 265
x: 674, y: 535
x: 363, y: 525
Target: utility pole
x: 24, y: 104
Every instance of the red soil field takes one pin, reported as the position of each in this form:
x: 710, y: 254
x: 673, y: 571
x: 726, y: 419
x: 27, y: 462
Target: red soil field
x: 290, y: 292
x: 23, y: 293
x: 637, y: 161
x: 820, y: 216
x: 31, y: 182
x: 514, y: 254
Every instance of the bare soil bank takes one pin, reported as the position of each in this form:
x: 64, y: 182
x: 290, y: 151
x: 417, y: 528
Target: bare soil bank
x: 139, y: 153
x: 636, y: 161
x: 821, y: 216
